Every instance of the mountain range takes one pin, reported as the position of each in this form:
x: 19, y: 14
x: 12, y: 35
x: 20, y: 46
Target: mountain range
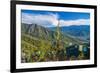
x: 75, y: 34
x: 81, y: 32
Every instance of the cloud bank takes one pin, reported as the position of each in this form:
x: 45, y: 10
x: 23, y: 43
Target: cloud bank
x: 50, y: 20
x: 74, y: 22
x: 46, y: 20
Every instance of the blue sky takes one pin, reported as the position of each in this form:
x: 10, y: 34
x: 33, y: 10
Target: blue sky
x: 50, y: 18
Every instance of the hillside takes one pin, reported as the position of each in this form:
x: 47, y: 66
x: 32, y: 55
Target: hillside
x: 39, y: 43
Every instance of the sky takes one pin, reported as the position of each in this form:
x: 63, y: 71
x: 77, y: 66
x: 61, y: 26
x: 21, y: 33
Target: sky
x: 51, y: 19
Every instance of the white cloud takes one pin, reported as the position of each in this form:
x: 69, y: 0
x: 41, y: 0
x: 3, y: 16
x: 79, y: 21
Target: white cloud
x: 50, y: 19
x: 46, y: 20
x: 74, y: 22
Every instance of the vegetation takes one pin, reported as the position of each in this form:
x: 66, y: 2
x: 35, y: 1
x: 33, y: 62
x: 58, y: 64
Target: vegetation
x: 38, y: 44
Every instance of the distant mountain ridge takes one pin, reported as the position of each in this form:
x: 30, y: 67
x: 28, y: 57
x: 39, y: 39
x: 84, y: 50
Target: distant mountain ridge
x: 81, y: 31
